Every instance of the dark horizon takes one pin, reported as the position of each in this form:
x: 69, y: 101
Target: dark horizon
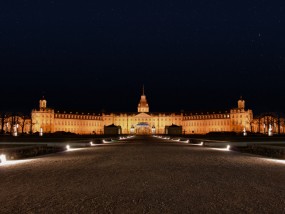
x: 129, y: 103
x: 196, y: 56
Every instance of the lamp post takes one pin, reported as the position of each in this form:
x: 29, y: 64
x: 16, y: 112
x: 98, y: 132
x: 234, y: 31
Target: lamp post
x: 244, y: 132
x: 41, y: 132
x: 153, y: 130
x: 15, y: 129
x: 264, y: 128
x: 270, y: 133
x: 132, y: 129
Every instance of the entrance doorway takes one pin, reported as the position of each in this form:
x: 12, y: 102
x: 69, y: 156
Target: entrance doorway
x: 143, y: 129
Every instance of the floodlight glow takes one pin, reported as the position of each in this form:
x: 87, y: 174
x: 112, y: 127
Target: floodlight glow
x: 228, y: 148
x: 277, y: 161
x: 13, y: 162
x: 68, y: 147
x: 3, y: 159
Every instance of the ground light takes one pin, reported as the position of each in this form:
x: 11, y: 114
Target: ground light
x: 277, y: 161
x: 68, y: 147
x: 91, y: 143
x: 201, y: 144
x: 14, y: 162
x: 227, y: 149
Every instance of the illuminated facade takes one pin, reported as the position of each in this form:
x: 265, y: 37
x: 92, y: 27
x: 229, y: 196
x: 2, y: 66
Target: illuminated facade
x: 141, y: 122
x: 235, y: 120
x: 51, y: 121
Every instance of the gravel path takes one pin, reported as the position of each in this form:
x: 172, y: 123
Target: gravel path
x: 144, y: 176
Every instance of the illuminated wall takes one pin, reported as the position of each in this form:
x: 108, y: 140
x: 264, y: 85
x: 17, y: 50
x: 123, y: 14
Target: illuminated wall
x: 236, y: 120
x: 241, y: 119
x: 79, y: 124
x: 205, y: 123
x: 158, y: 121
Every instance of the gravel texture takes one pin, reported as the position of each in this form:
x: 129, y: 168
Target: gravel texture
x: 144, y: 175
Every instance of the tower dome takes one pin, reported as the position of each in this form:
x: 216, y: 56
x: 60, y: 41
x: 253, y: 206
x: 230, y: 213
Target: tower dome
x: 43, y: 103
x: 143, y: 105
x: 241, y: 103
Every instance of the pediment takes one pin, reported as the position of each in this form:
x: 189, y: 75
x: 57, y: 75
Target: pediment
x: 142, y: 115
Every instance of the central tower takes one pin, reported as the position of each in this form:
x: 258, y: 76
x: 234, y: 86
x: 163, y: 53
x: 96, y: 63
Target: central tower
x: 143, y: 105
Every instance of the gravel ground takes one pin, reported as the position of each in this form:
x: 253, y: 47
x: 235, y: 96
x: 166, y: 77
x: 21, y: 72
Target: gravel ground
x: 144, y: 175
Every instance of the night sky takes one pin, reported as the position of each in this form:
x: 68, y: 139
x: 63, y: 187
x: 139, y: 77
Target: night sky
x: 191, y: 55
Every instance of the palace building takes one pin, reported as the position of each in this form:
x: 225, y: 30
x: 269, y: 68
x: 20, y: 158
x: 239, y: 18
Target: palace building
x: 141, y: 122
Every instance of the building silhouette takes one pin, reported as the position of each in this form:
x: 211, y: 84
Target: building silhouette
x: 141, y: 122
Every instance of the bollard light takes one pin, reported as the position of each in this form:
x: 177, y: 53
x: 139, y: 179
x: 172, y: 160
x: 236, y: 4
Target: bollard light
x: 228, y: 147
x: 68, y: 147
x: 3, y: 158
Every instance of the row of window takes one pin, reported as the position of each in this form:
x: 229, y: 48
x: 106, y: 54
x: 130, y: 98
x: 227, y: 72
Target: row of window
x: 77, y: 123
x: 145, y: 119
x: 83, y: 117
x: 208, y: 123
x: 203, y: 130
x: 213, y: 116
x: 74, y: 130
x: 239, y: 116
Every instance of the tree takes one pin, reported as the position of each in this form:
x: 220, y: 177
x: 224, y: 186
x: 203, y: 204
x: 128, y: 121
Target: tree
x: 23, y: 121
x: 271, y: 118
x: 4, y: 119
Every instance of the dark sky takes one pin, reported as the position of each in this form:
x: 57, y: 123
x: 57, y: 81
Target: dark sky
x: 192, y: 55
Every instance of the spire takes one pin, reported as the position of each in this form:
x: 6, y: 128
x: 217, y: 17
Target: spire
x: 143, y: 105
